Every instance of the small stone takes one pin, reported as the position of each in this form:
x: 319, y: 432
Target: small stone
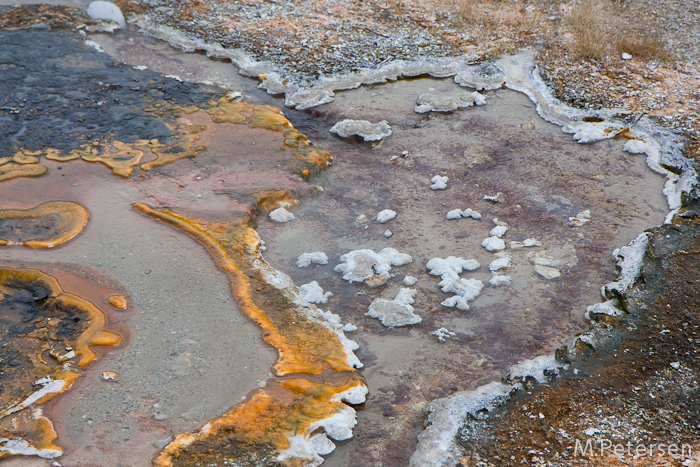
x: 626, y: 56
x: 388, y: 233
x: 107, y: 11
x: 497, y: 198
x: 281, y: 215
x: 110, y: 376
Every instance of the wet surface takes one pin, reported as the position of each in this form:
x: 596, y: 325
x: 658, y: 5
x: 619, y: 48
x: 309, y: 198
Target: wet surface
x: 545, y: 178
x: 638, y: 389
x: 182, y: 306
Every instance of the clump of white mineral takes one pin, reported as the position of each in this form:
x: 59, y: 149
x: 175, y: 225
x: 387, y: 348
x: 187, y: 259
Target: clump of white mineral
x: 499, y: 263
x: 454, y: 214
x: 529, y: 242
x: 361, y: 265
x: 281, y: 215
x: 409, y: 281
x: 388, y: 233
x: 493, y: 244
x: 447, y: 102
x: 313, y: 293
x: 362, y: 128
x: 442, y: 334
x: 471, y: 213
x: 317, y: 257
x: 439, y: 182
x: 463, y: 289
x: 581, y: 219
x: 499, y: 231
x: 396, y: 312
x: 499, y: 279
x: 385, y: 216
x: 497, y: 198
x: 107, y: 11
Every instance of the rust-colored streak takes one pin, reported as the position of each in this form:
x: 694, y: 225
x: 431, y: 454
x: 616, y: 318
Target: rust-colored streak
x: 314, y: 156
x: 268, y: 200
x: 45, y: 226
x: 304, y: 346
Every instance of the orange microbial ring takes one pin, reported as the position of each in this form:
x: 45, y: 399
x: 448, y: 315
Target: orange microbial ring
x: 11, y: 170
x: 286, y: 412
x: 45, y: 226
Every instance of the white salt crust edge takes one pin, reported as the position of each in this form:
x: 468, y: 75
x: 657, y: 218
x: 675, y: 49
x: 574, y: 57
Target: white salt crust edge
x: 48, y: 386
x: 437, y: 446
x: 339, y: 425
x: 521, y: 76
x: 20, y: 447
x: 518, y: 74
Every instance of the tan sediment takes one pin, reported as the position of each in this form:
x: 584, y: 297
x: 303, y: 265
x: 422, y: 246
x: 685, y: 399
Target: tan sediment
x: 70, y: 217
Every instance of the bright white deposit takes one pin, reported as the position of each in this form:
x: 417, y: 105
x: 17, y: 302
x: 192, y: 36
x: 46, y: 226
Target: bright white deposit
x: 439, y: 182
x: 385, y: 216
x: 317, y: 257
x: 463, y: 289
x: 362, y: 128
x: 359, y: 265
x: 313, y: 293
x: 493, y: 244
x: 396, y: 312
x: 281, y: 215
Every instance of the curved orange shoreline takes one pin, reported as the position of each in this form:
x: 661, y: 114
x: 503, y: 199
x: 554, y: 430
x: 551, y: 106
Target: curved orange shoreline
x: 72, y: 218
